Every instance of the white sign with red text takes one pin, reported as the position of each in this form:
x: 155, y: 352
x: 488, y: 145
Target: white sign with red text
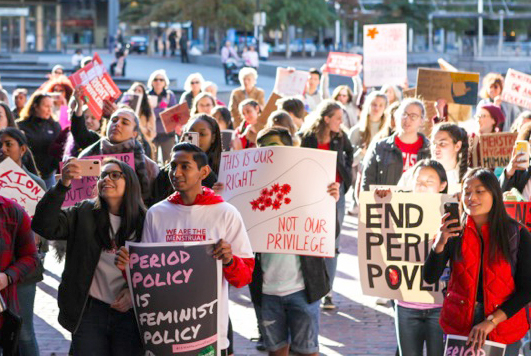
x: 517, y: 88
x: 17, y: 185
x: 290, y: 82
x: 281, y: 193
x: 384, y: 54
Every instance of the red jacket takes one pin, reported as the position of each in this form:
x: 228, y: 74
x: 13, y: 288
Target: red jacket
x: 457, y: 314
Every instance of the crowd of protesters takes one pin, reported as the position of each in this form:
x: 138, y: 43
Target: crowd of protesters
x: 381, y: 138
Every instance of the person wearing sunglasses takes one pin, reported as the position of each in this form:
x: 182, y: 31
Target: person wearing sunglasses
x: 192, y: 88
x: 161, y: 98
x: 387, y: 159
x: 94, y: 300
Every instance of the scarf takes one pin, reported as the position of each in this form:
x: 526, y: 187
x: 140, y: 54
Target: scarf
x: 207, y: 198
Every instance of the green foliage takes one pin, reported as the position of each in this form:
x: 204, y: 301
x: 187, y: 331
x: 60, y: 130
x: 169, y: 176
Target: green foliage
x: 308, y: 14
x: 400, y: 11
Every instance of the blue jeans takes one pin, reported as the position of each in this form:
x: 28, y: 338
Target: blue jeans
x: 414, y: 326
x: 479, y: 316
x: 290, y: 320
x: 26, y: 297
x: 104, y: 331
x: 331, y: 263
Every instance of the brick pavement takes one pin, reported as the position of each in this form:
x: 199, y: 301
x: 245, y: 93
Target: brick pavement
x: 358, y: 327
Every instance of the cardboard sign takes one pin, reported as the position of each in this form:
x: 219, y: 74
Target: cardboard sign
x: 288, y: 83
x: 282, y: 212
x: 85, y: 188
x: 384, y: 54
x: 496, y: 149
x: 520, y: 211
x: 175, y: 289
x: 454, y: 87
x: 17, y: 185
x: 456, y: 346
x: 446, y: 66
x: 132, y: 100
x: 394, y: 239
x: 346, y: 64
x: 97, y: 85
x: 270, y: 106
x: 517, y: 88
x: 175, y: 117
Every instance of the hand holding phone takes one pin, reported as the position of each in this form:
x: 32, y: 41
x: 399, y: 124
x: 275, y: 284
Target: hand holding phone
x: 453, y: 210
x: 523, y: 148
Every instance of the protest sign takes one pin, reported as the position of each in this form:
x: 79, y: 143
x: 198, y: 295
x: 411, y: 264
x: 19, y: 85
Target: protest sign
x: 454, y: 87
x: 17, y: 185
x: 132, y: 100
x: 384, y: 54
x: 456, y: 346
x: 290, y: 82
x: 175, y: 118
x: 346, y: 64
x: 456, y: 112
x: 496, y: 149
x: 281, y: 194
x: 446, y: 66
x: 226, y: 138
x: 520, y: 211
x: 85, y: 188
x: 97, y: 85
x: 64, y: 120
x: 394, y: 239
x: 175, y: 288
x: 270, y: 106
x: 517, y: 88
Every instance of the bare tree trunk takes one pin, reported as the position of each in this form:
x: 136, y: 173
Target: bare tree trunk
x: 288, y: 47
x: 216, y: 40
x: 303, y: 42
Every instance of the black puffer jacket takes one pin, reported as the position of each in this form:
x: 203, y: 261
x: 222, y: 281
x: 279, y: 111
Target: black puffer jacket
x: 383, y: 163
x: 341, y: 144
x: 76, y: 225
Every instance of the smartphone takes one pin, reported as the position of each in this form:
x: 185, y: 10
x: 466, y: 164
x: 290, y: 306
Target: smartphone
x: 191, y: 137
x: 522, y: 147
x: 453, y: 209
x: 89, y: 167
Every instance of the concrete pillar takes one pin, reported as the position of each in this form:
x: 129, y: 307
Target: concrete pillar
x: 480, y: 28
x: 114, y: 12
x: 500, y: 35
x: 430, y: 33
x: 410, y: 41
x: 39, y: 29
x: 58, y: 28
x: 22, y: 34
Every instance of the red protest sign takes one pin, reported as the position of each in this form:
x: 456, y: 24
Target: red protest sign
x: 175, y: 117
x: 520, y: 212
x: 97, y: 85
x: 346, y: 64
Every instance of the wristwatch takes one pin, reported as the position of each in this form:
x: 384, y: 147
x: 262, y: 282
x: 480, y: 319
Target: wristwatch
x: 491, y: 318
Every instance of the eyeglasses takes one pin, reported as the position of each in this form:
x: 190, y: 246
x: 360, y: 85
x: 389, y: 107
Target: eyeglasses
x: 482, y: 116
x: 195, y: 82
x: 114, y: 175
x: 158, y: 80
x: 412, y: 116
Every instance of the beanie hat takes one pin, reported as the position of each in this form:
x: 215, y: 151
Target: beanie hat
x: 496, y: 113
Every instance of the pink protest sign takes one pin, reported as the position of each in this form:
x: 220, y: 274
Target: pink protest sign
x: 97, y: 85
x: 346, y: 64
x: 85, y: 188
x: 63, y: 117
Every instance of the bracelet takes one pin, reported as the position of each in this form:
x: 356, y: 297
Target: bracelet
x: 9, y: 280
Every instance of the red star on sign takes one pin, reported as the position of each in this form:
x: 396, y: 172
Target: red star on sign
x: 372, y: 33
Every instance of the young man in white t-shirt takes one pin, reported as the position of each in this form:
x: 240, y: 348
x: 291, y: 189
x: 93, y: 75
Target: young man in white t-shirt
x: 196, y: 213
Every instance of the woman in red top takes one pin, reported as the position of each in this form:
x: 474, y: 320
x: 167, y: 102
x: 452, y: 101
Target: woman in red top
x: 490, y: 267
x: 246, y: 132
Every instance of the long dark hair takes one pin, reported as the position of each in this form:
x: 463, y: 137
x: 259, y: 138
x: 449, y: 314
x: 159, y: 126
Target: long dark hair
x: 458, y: 134
x: 132, y: 210
x: 500, y: 223
x: 27, y: 160
x: 214, y: 152
x: 9, y: 115
x: 327, y: 108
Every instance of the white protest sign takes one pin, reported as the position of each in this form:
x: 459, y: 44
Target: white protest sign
x: 384, y: 54
x: 281, y: 194
x: 290, y: 82
x: 394, y: 239
x: 17, y: 185
x: 517, y: 88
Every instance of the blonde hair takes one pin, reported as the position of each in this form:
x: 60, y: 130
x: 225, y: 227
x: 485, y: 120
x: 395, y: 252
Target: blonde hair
x: 489, y: 80
x: 365, y: 128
